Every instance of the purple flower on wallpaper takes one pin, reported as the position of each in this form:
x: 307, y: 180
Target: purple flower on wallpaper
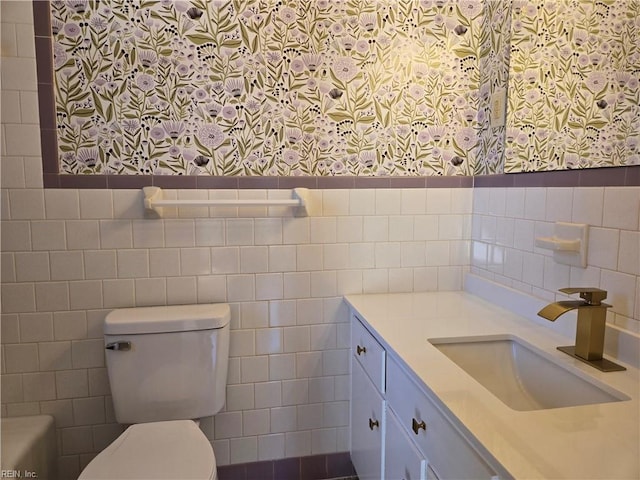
x: 145, y: 82
x: 98, y: 23
x: 470, y: 8
x: 345, y: 69
x: 290, y: 157
x: 456, y: 161
x: 88, y: 157
x: 466, y: 138
x: 252, y: 105
x: 367, y: 158
x: 437, y: 132
x: 229, y: 112
x: 234, y: 86
x: 368, y: 21
x: 147, y: 58
x: 72, y: 30
x: 200, y: 94
x: 416, y: 91
x: 297, y: 65
x: 79, y: 6
x: 56, y: 26
x: 194, y: 13
x: 362, y: 46
x: 130, y: 124
x: 59, y: 55
x: 157, y: 133
x: 312, y: 61
x: 348, y: 42
x: 213, y: 109
x: 288, y: 15
x: 469, y: 114
x: 210, y: 135
x: 460, y: 30
x: 423, y: 136
x: 201, y: 160
x: 335, y: 93
x: 596, y: 81
x: 293, y: 135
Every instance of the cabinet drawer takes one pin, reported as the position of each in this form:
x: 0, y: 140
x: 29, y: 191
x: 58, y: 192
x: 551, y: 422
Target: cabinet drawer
x: 369, y: 353
x: 448, y: 453
x: 402, y: 458
x: 367, y: 425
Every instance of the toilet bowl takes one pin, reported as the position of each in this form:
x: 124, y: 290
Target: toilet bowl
x: 166, y: 366
x: 156, y: 451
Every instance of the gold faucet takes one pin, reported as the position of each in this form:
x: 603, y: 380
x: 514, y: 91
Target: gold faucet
x: 592, y: 313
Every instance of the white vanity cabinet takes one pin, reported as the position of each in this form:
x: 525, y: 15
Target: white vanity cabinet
x: 367, y: 403
x: 397, y: 432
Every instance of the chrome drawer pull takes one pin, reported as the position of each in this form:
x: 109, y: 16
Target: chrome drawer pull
x: 415, y: 426
x: 360, y: 350
x: 373, y: 423
x: 124, y: 346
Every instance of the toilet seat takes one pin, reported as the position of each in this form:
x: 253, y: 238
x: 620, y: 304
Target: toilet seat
x: 155, y: 451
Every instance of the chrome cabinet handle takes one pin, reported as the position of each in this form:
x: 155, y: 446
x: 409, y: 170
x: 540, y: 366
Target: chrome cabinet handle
x: 361, y: 350
x: 124, y: 346
x: 416, y: 426
x: 373, y: 423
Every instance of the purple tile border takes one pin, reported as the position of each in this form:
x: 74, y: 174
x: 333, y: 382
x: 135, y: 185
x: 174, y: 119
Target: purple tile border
x: 589, y: 177
x: 48, y: 140
x: 293, y: 182
x: 41, y: 19
x: 633, y: 176
x: 175, y: 181
x: 602, y: 177
x: 599, y: 176
x: 217, y: 182
x: 315, y: 467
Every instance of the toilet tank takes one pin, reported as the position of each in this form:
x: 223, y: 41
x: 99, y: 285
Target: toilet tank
x: 167, y: 363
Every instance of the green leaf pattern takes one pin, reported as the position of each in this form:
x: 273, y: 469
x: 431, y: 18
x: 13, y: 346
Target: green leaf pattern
x: 574, y: 90
x: 344, y: 87
x: 265, y: 87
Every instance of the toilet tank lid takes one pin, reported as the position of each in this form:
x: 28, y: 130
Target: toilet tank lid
x: 165, y: 319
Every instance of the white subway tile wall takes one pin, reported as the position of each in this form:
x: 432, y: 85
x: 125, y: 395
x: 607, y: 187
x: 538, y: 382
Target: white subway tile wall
x: 284, y: 276
x: 503, y: 242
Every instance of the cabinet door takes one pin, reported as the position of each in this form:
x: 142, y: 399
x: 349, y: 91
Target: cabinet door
x: 369, y: 353
x: 367, y: 425
x: 403, y: 461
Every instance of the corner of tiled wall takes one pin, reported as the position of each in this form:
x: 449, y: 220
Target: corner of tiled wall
x: 507, y: 220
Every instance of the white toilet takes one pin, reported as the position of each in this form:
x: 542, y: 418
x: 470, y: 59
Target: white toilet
x: 167, y: 367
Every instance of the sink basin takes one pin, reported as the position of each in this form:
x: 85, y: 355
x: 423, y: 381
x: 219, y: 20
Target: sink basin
x: 521, y: 376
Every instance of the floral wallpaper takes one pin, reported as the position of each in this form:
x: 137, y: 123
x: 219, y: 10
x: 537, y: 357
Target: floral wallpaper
x: 574, y: 90
x: 494, y: 74
x: 274, y: 87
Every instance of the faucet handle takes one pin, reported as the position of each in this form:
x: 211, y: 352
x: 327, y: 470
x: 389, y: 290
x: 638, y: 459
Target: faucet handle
x: 591, y: 295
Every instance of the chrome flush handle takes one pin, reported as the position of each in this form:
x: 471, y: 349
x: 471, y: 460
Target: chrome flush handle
x: 124, y: 346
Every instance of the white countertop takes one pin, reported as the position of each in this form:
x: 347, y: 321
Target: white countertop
x: 588, y: 441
